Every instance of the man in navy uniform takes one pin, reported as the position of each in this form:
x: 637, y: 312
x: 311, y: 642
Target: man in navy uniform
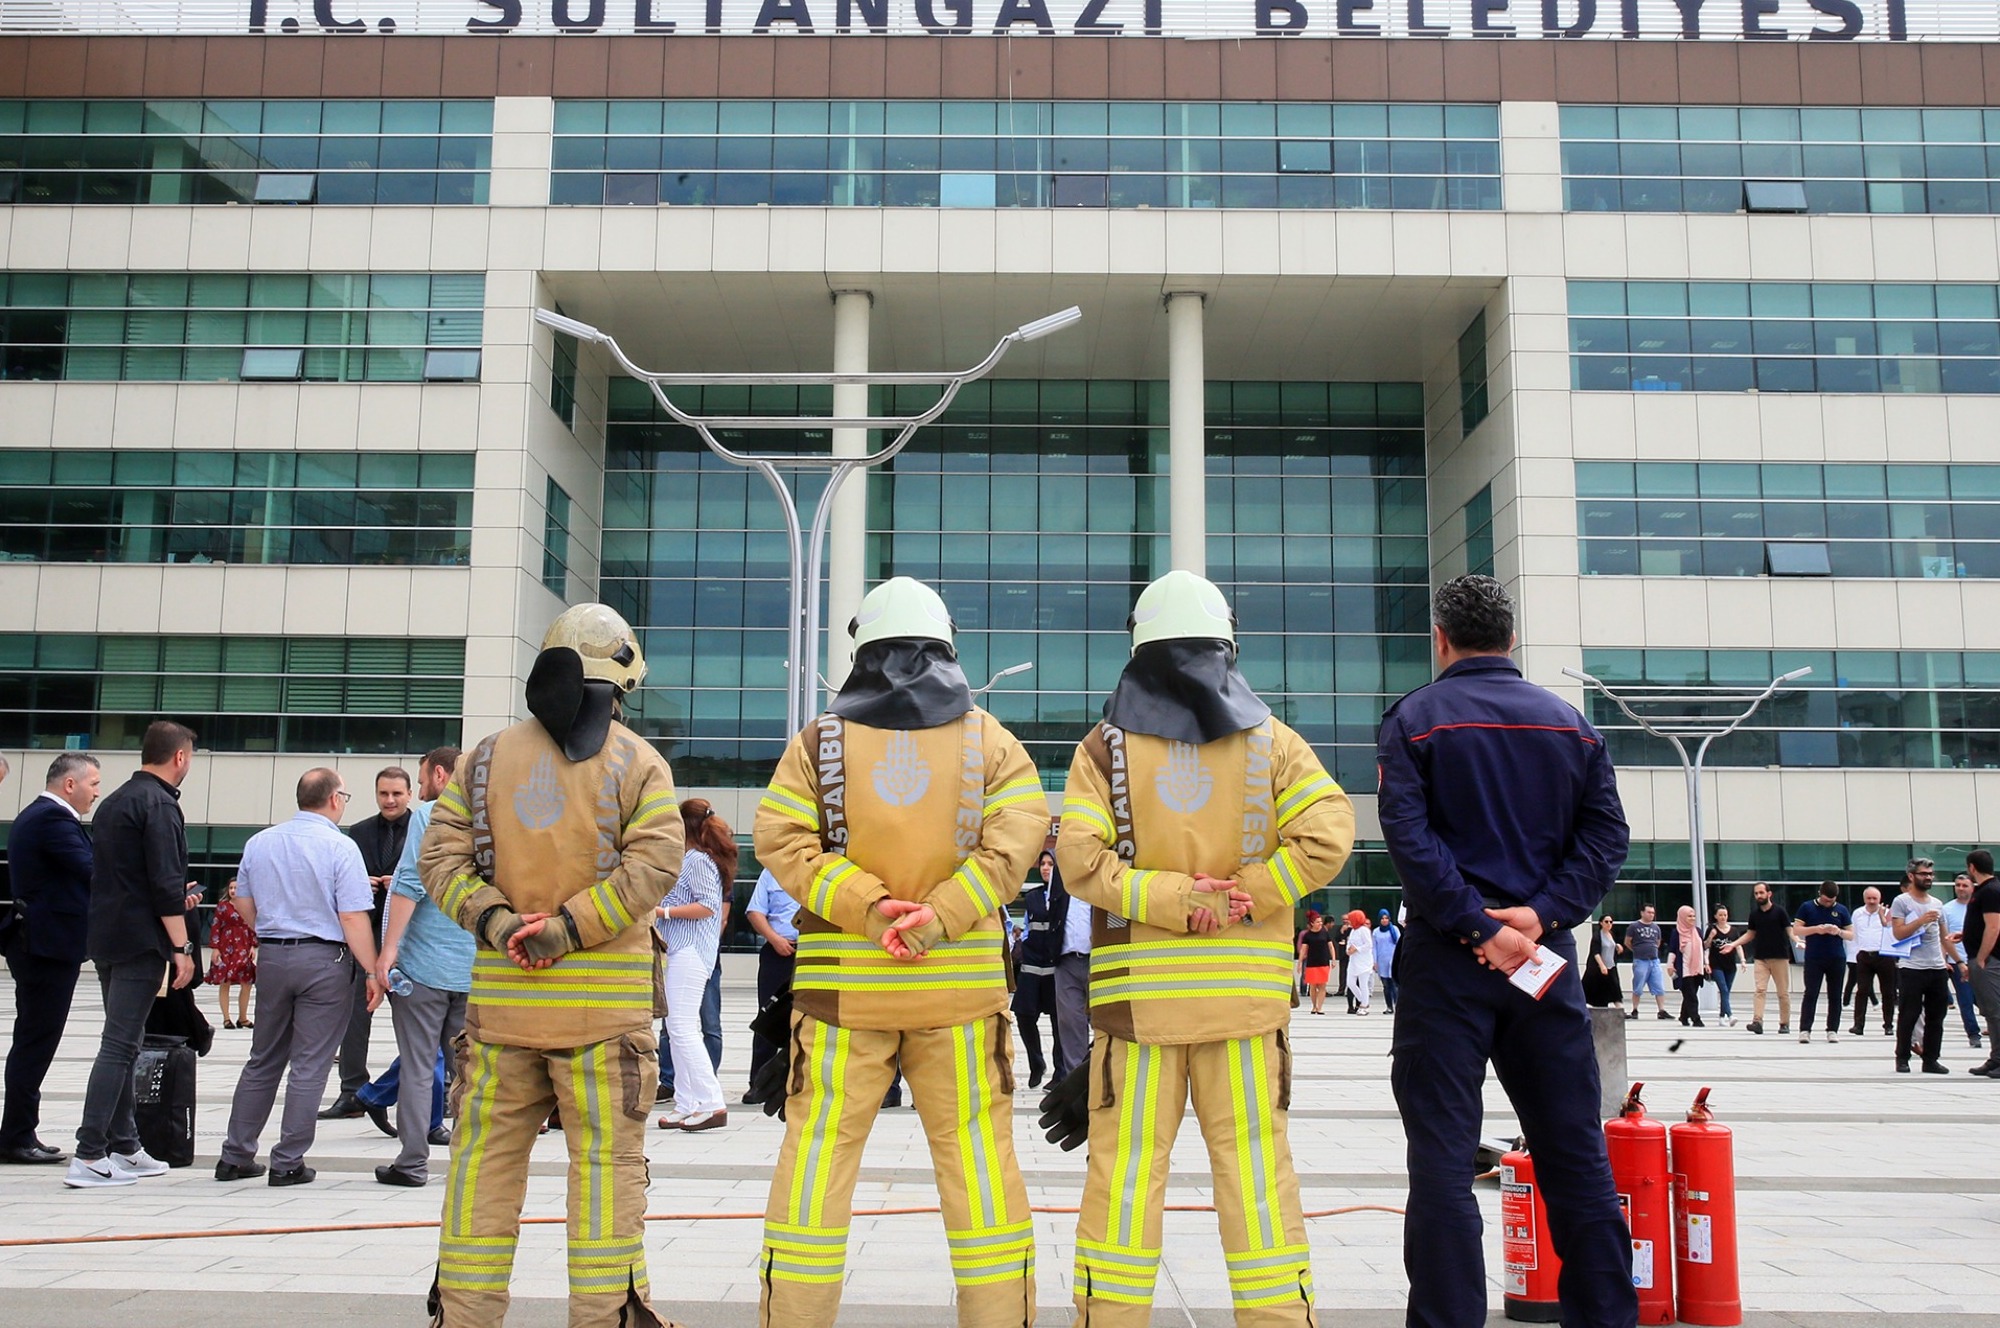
x: 1502, y: 817
x: 48, y: 859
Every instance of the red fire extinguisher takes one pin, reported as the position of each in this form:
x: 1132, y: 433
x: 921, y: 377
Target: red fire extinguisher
x: 1705, y: 1220
x: 1638, y: 1147
x: 1529, y: 1294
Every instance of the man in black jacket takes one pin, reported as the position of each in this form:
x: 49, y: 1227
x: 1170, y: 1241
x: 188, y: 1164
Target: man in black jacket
x: 48, y: 862
x: 380, y: 838
x: 137, y: 934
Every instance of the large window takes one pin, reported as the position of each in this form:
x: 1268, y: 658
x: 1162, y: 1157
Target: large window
x: 1910, y: 709
x: 1038, y: 509
x: 1699, y: 158
x: 1479, y: 532
x: 1782, y: 336
x: 1657, y: 873
x: 555, y: 539
x: 238, y: 693
x: 370, y: 153
x: 235, y: 507
x: 984, y: 154
x: 1730, y: 518
x: 236, y: 327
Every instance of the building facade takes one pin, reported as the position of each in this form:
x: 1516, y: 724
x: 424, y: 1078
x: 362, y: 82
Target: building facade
x: 1695, y: 343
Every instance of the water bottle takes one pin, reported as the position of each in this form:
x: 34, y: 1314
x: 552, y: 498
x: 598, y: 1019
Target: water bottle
x: 399, y: 985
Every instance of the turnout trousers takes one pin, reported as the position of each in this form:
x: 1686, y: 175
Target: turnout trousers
x: 963, y: 1079
x: 1241, y: 1089
x: 606, y: 1092
x: 1454, y: 1016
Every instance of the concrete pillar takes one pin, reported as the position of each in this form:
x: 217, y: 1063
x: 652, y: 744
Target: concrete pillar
x: 847, y: 533
x: 1187, y: 435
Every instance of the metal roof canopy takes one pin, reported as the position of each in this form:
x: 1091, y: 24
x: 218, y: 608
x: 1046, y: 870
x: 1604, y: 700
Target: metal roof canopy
x: 802, y: 626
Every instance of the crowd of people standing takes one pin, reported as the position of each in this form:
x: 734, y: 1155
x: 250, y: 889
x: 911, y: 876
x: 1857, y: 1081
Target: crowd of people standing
x: 1914, y: 958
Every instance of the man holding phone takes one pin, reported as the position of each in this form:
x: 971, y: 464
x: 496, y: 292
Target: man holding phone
x: 1501, y: 814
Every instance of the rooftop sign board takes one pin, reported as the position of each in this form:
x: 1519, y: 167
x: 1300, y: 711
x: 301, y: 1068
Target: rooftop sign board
x: 1687, y: 20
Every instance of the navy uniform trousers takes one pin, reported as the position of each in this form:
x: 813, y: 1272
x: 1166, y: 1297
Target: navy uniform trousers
x: 1452, y: 1016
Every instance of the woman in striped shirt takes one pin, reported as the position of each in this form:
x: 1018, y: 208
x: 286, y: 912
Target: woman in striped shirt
x: 690, y: 922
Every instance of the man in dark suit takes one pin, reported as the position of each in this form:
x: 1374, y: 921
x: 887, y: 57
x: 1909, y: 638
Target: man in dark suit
x: 48, y: 862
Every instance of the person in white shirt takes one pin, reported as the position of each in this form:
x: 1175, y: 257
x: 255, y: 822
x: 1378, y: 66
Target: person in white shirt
x: 1360, y: 960
x: 1872, y: 967
x: 1961, y: 972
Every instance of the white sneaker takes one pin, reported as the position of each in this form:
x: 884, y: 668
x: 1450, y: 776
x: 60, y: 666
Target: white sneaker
x: 137, y: 1165
x: 1805, y: 1036
x: 84, y: 1175
x: 1832, y: 1036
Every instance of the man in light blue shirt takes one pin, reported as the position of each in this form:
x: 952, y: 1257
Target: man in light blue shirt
x: 303, y: 886
x: 770, y: 913
x: 434, y: 955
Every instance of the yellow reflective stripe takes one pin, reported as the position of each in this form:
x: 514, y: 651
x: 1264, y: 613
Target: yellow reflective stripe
x: 1303, y: 795
x: 608, y: 981
x: 972, y: 879
x: 651, y: 807
x: 787, y: 803
x: 454, y: 799
x: 825, y: 1100
x: 836, y: 943
x: 456, y: 892
x: 786, y: 810
x: 825, y: 882
x: 610, y: 908
x: 1210, y: 956
x: 1124, y: 1274
x: 1137, y: 883
x: 1092, y: 813
x: 1291, y: 885
x: 475, y: 1125
x: 1014, y: 793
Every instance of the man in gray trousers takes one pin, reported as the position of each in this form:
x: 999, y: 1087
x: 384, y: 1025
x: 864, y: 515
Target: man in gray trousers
x: 303, y: 886
x: 433, y: 955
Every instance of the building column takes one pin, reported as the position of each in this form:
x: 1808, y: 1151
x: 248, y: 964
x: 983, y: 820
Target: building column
x: 847, y: 532
x: 1187, y: 433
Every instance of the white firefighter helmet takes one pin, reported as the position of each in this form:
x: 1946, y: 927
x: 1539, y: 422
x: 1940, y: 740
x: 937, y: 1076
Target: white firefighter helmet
x: 605, y: 642
x: 900, y: 608
x: 1181, y: 606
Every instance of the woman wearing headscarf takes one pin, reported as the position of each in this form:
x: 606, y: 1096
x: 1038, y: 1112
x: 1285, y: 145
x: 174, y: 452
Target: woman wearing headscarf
x: 1687, y: 959
x: 690, y: 922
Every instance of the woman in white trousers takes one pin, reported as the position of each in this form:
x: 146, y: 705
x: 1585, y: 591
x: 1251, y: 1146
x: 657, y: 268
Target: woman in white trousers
x: 690, y: 922
x: 1360, y: 959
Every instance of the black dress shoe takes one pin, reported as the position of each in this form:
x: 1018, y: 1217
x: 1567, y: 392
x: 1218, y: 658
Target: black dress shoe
x: 296, y: 1176
x: 345, y: 1107
x: 391, y: 1176
x: 35, y: 1154
x: 234, y: 1171
x: 1035, y: 1077
x: 441, y: 1137
x: 380, y: 1115
x: 1936, y: 1067
x: 751, y: 1098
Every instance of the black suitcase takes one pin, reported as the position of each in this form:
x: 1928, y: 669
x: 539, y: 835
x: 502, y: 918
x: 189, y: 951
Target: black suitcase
x: 163, y: 1099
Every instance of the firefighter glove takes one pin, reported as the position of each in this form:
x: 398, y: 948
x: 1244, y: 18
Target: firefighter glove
x: 1065, y: 1111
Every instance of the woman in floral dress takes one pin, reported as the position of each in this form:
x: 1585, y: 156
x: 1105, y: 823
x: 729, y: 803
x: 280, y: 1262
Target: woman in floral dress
x: 235, y: 961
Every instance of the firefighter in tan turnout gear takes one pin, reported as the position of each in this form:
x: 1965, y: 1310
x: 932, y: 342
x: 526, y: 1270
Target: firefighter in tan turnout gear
x: 1193, y: 823
x: 903, y: 821
x: 552, y: 844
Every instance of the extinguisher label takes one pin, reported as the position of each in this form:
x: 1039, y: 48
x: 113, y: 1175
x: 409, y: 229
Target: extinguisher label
x: 1642, y: 1264
x: 1517, y: 1228
x: 1700, y: 1238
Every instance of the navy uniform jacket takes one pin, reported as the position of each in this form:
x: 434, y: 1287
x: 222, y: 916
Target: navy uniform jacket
x: 48, y: 866
x: 1496, y: 792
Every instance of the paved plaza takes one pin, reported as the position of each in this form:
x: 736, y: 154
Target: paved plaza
x: 1849, y: 1216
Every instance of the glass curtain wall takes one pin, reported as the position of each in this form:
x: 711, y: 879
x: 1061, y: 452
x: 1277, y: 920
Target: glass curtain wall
x: 1038, y: 509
